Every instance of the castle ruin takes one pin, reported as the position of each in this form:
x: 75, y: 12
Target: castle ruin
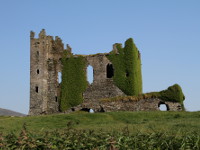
x: 48, y: 95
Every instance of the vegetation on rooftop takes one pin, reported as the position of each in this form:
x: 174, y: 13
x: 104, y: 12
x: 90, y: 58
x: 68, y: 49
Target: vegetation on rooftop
x: 173, y: 94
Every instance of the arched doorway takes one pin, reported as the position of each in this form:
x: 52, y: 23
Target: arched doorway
x: 163, y: 107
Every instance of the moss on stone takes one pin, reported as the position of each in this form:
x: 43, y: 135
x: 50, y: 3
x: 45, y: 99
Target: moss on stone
x: 172, y: 94
x: 74, y: 81
x: 127, y: 67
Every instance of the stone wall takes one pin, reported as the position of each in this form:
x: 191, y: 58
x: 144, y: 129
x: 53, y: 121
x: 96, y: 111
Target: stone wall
x: 152, y: 104
x: 102, y: 86
x: 141, y: 105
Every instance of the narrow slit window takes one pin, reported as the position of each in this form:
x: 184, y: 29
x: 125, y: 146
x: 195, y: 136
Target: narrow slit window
x: 38, y: 71
x: 36, y: 89
x: 59, y: 77
x: 56, y: 99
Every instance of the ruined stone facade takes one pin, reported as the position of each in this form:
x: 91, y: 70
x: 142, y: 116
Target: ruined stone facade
x: 102, y: 86
x: 45, y: 65
x: 149, y: 104
x: 45, y: 54
x: 152, y: 104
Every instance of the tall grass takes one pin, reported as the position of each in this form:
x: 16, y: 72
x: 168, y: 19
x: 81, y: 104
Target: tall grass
x: 74, y: 139
x: 115, y: 130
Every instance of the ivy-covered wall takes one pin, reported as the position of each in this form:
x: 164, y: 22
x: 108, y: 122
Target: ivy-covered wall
x: 74, y: 81
x: 173, y: 93
x: 127, y: 68
x: 127, y: 76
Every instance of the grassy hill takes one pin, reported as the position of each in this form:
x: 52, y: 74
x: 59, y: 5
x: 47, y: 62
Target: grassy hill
x: 136, y: 121
x: 6, y: 112
x: 156, y: 129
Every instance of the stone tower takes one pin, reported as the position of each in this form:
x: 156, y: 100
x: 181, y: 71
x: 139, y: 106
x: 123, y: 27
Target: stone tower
x: 45, y: 54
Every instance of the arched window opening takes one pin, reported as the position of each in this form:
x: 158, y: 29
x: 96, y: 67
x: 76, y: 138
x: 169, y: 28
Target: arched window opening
x: 59, y: 77
x: 163, y: 107
x: 90, y: 74
x: 38, y: 71
x: 36, y: 89
x: 110, y: 71
x: 38, y: 53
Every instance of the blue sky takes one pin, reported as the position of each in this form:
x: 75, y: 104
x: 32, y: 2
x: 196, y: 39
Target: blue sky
x: 167, y: 33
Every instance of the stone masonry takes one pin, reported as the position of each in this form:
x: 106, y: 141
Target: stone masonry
x: 152, y: 104
x: 45, y: 65
x: 46, y: 53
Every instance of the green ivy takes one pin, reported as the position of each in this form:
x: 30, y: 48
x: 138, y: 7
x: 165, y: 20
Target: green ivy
x: 74, y: 81
x: 173, y: 93
x: 127, y: 68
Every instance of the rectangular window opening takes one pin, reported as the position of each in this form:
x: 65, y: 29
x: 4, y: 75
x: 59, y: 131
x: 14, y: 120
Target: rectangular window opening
x: 36, y: 89
x: 56, y: 98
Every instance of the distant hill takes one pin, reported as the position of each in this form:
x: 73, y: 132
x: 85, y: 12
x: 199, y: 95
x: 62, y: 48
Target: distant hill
x: 6, y: 112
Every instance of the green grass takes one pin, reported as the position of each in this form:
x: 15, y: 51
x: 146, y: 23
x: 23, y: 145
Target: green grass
x: 169, y: 122
x: 102, y: 131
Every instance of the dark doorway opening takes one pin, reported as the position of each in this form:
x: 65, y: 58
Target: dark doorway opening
x: 110, y: 71
x: 85, y: 109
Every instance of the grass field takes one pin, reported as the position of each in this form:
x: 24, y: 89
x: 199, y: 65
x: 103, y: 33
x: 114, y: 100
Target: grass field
x: 136, y: 121
x: 179, y: 128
